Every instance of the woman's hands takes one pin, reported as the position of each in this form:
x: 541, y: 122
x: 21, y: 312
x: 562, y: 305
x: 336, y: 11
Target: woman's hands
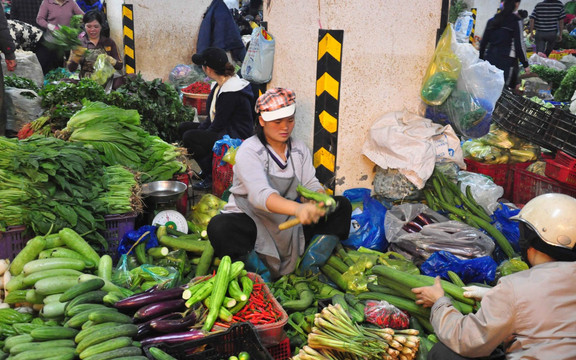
x: 309, y: 212
x: 428, y: 295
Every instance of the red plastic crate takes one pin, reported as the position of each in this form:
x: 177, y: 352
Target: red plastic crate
x: 565, y: 160
x: 182, y: 205
x: 13, y: 240
x: 528, y: 185
x: 196, y: 100
x: 281, y: 351
x: 499, y: 173
x: 560, y: 172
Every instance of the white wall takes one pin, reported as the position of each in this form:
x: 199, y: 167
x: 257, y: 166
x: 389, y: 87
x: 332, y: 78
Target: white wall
x: 487, y: 9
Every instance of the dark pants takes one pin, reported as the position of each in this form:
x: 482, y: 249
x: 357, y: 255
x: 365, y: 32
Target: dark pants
x: 441, y: 352
x: 545, y: 41
x: 199, y: 144
x: 508, y: 65
x: 49, y: 59
x: 234, y: 234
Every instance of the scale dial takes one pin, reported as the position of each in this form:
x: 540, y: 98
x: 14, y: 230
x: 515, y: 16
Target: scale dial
x: 172, y: 219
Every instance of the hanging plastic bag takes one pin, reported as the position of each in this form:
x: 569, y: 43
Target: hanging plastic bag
x: 481, y: 269
x: 368, y: 226
x: 442, y: 73
x: 259, y: 60
x: 463, y: 26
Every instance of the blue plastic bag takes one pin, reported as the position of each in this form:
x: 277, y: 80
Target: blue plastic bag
x: 221, y: 146
x: 130, y: 238
x: 254, y: 264
x: 507, y: 227
x: 480, y: 269
x: 319, y: 250
x: 367, y: 228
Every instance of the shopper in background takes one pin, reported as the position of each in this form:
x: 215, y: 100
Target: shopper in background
x: 502, y: 44
x: 95, y: 43
x: 7, y: 47
x: 26, y: 11
x: 88, y: 5
x: 531, y: 312
x: 229, y: 106
x: 547, y: 19
x: 269, y: 166
x: 51, y: 15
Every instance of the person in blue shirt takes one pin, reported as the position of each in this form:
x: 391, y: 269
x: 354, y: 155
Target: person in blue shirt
x: 87, y: 5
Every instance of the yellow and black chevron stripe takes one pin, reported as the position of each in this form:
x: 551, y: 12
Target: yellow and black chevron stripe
x: 328, y: 74
x: 474, y: 12
x: 128, y: 29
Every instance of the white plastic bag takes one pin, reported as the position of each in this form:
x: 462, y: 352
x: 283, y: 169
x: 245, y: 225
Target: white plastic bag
x: 536, y: 59
x: 259, y: 60
x: 463, y: 26
x: 21, y: 108
x: 28, y: 66
x: 412, y: 144
x: 485, y: 191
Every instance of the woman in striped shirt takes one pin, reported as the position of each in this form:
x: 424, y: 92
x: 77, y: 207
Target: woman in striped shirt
x: 547, y: 19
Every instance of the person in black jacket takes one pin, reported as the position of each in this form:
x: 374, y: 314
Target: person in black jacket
x: 503, y: 42
x: 230, y: 112
x: 7, y: 47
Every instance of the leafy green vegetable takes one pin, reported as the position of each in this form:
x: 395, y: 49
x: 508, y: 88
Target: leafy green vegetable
x: 76, y: 21
x: 68, y: 92
x: 63, y: 39
x: 552, y: 76
x: 567, y: 86
x: 20, y: 83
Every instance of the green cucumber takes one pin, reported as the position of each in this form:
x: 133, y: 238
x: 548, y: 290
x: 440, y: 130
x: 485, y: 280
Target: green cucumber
x: 105, y: 267
x: 16, y: 296
x: 33, y: 297
x: 107, y: 345
x: 45, y: 353
x: 56, y: 284
x: 17, y: 349
x: 28, y: 253
x: 64, y: 252
x: 76, y: 309
x: 159, y: 354
x: 74, y: 241
x: 52, y: 241
x: 82, y: 288
x: 17, y: 339
x: 95, y: 327
x: 106, y: 334
x: 52, y: 298
x: 31, y: 279
x: 53, y: 263
x: 194, y: 246
x: 116, y: 354
x: 25, y: 328
x: 158, y: 252
x: 98, y: 317
x: 77, y: 320
x: 91, y: 297
x: 53, y: 333
x: 53, y: 310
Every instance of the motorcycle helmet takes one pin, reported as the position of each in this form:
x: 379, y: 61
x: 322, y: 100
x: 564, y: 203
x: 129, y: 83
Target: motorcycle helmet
x: 548, y: 223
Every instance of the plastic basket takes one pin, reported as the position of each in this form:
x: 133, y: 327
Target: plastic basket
x: 528, y: 185
x: 116, y: 227
x: 565, y: 160
x: 196, y: 100
x: 239, y: 337
x: 182, y: 205
x: 560, y: 172
x: 281, y: 351
x: 222, y: 173
x: 561, y: 134
x: 523, y: 117
x: 12, y: 241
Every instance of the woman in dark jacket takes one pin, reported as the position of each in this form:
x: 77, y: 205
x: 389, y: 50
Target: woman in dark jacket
x: 503, y: 42
x: 230, y: 112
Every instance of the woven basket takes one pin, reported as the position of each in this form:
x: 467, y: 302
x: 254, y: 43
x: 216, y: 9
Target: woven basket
x: 196, y: 100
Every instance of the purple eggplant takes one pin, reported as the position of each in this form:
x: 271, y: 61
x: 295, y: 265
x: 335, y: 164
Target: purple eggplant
x: 145, y: 330
x: 174, y: 338
x: 153, y: 310
x: 423, y: 219
x: 411, y: 227
x: 138, y: 300
x: 173, y: 325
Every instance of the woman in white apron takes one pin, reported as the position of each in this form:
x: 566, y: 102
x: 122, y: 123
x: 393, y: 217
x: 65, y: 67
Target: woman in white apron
x: 269, y: 166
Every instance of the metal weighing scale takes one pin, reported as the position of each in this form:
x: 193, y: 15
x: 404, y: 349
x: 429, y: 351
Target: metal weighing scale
x: 160, y: 204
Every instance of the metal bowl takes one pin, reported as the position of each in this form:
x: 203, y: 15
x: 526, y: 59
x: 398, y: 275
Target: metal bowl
x: 163, y: 191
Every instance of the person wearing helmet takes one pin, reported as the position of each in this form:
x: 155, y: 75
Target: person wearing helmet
x: 532, y: 313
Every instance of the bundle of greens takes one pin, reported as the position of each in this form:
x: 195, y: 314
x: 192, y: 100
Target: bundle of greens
x: 116, y: 135
x: 552, y: 76
x: 63, y: 39
x: 67, y: 92
x: 20, y: 83
x: 60, y: 184
x: 567, y: 86
x: 120, y: 190
x: 157, y: 102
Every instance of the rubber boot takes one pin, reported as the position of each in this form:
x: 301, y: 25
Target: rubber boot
x: 318, y: 251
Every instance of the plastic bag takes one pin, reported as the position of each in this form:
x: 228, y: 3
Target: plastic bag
x: 507, y: 227
x: 317, y: 252
x: 484, y: 190
x: 177, y: 259
x: 536, y: 59
x: 22, y: 106
x: 208, y: 207
x: 28, y: 67
x: 368, y: 226
x: 356, y: 196
x: 399, y: 262
x: 220, y: 147
x: 259, y: 60
x: 103, y: 70
x: 400, y: 215
x: 391, y: 185
x: 183, y: 75
x: 511, y: 266
x: 385, y: 315
x: 443, y: 71
x: 481, y: 269
x: 463, y: 26
x: 146, y: 233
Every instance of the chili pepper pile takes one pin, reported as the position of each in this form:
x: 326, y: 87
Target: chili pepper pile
x: 199, y: 87
x: 383, y: 314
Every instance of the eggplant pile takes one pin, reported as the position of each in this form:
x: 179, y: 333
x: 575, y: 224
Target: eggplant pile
x: 162, y: 316
x: 416, y: 224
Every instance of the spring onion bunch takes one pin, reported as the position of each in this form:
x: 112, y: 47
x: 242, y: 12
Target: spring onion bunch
x: 335, y: 336
x: 120, y: 190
